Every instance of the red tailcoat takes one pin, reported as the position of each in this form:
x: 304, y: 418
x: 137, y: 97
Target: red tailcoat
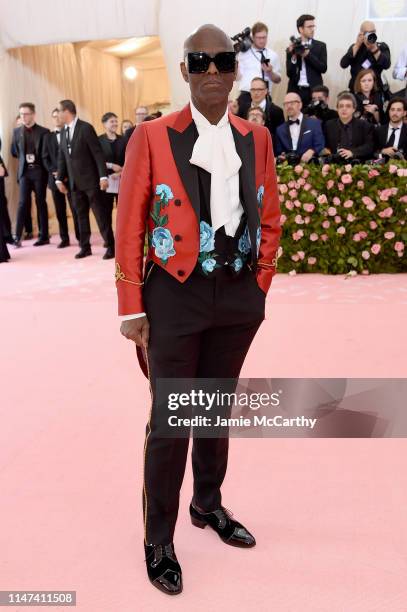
x: 159, y: 192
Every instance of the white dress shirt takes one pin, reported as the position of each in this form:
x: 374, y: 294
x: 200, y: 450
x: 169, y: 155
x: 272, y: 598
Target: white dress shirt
x: 215, y: 152
x: 397, y: 133
x: 400, y: 69
x: 250, y: 66
x: 295, y: 131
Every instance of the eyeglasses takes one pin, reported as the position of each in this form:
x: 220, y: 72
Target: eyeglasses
x: 199, y: 62
x: 254, y: 89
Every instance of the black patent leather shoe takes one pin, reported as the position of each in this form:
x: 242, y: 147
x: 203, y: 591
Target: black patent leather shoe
x: 41, y: 242
x: 230, y: 531
x: 83, y: 253
x: 63, y: 244
x: 109, y: 253
x: 163, y: 568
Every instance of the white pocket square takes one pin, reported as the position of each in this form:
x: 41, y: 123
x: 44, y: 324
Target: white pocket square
x: 307, y: 132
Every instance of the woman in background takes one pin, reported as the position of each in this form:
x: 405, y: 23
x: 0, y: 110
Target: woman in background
x: 369, y: 99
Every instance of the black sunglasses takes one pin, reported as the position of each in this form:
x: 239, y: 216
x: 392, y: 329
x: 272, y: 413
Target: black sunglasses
x: 198, y: 62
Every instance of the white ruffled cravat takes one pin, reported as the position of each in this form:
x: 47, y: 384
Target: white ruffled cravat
x: 215, y: 152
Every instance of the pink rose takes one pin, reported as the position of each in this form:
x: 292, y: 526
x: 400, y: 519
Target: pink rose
x: 314, y: 192
x: 325, y: 169
x: 325, y: 224
x: 341, y: 230
x: 394, y: 190
x: 295, y: 257
x: 292, y: 193
x: 283, y: 219
x: 299, y: 220
x: 330, y: 184
x: 289, y: 205
x: 356, y: 238
x: 373, y: 173
x: 322, y: 199
x: 360, y: 185
x: 351, y: 218
x: 281, y: 198
x: 291, y: 184
x: 372, y: 225
x: 301, y: 181
x: 336, y: 201
x: 338, y: 219
x: 384, y: 194
x: 401, y: 171
x: 366, y: 200
x: 341, y: 186
x: 392, y: 168
x: 324, y: 237
x: 403, y: 199
x: 348, y: 204
x: 301, y: 254
x: 346, y: 178
x: 313, y: 237
x: 305, y: 174
x: 283, y: 188
x: 386, y: 213
x: 376, y: 249
x: 298, y: 169
x: 399, y: 246
x: 307, y: 219
x: 365, y: 254
x: 309, y: 207
x: 363, y: 234
x: 311, y: 261
x: 297, y: 235
x: 389, y: 235
x: 307, y: 187
x: 297, y: 203
x: 331, y: 211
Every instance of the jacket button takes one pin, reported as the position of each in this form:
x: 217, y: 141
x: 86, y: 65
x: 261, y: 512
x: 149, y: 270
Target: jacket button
x: 177, y: 237
x: 177, y: 202
x: 180, y: 272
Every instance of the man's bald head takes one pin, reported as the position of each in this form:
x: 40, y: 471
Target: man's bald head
x: 367, y: 26
x: 207, y: 35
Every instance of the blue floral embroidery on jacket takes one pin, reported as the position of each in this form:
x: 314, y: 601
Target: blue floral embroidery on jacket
x: 165, y: 193
x: 244, y: 244
x: 258, y: 240
x: 237, y: 264
x: 163, y: 243
x: 260, y: 195
x: 209, y: 264
x: 206, y: 237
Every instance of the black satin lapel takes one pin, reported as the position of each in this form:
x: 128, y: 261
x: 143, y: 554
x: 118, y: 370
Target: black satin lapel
x: 182, y: 144
x: 247, y: 176
x: 300, y: 135
x: 290, y: 140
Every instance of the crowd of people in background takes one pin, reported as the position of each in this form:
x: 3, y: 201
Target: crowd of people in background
x: 82, y: 170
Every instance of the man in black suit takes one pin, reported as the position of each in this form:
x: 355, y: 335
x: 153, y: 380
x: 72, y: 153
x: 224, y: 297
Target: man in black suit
x: 274, y: 115
x: 27, y: 145
x: 114, y: 147
x: 81, y: 159
x: 319, y: 105
x: 392, y: 137
x: 5, y: 223
x: 348, y: 138
x: 307, y: 63
x: 366, y: 52
x: 50, y: 160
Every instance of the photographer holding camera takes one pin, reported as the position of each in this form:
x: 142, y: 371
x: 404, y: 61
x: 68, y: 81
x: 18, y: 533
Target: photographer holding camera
x: 257, y: 61
x: 391, y: 139
x: 369, y: 100
x: 319, y: 105
x: 365, y: 53
x: 306, y: 60
x: 347, y: 138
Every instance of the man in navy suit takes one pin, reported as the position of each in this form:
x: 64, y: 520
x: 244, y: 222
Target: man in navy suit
x: 299, y: 134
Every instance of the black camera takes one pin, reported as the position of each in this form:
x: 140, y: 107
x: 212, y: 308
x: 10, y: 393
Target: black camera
x: 370, y: 37
x: 316, y: 108
x: 242, y: 41
x: 299, y: 45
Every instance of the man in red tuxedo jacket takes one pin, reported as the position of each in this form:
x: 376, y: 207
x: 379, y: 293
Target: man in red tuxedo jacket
x: 202, y: 184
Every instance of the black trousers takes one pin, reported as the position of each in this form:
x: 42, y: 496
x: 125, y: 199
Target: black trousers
x: 5, y: 223
x: 60, y: 209
x: 108, y: 203
x: 33, y: 179
x: 83, y: 201
x: 201, y: 328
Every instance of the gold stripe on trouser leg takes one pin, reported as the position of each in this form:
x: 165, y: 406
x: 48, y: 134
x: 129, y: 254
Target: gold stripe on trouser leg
x: 145, y: 449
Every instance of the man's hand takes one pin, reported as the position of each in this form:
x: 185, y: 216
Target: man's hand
x: 137, y: 330
x: 2, y: 170
x: 61, y: 187
x: 267, y: 68
x: 359, y: 42
x: 389, y: 151
x: 116, y: 168
x: 345, y: 153
x: 305, y: 53
x: 307, y: 155
x: 104, y: 184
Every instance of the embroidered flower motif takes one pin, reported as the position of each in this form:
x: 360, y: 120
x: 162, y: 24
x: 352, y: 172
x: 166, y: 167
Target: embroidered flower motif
x: 237, y: 264
x: 209, y: 264
x: 164, y: 192
x: 163, y: 243
x: 258, y: 240
x: 244, y: 244
x: 206, y: 237
x: 260, y: 194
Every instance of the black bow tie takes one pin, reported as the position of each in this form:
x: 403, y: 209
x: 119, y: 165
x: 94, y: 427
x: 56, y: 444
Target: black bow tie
x: 292, y: 121
x: 57, y: 131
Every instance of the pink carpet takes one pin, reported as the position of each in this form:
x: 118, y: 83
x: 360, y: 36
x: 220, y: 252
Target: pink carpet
x: 329, y: 515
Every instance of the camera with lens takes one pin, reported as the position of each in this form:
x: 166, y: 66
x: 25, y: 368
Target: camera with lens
x: 242, y: 41
x: 299, y: 46
x: 370, y: 37
x: 316, y: 108
x: 291, y: 157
